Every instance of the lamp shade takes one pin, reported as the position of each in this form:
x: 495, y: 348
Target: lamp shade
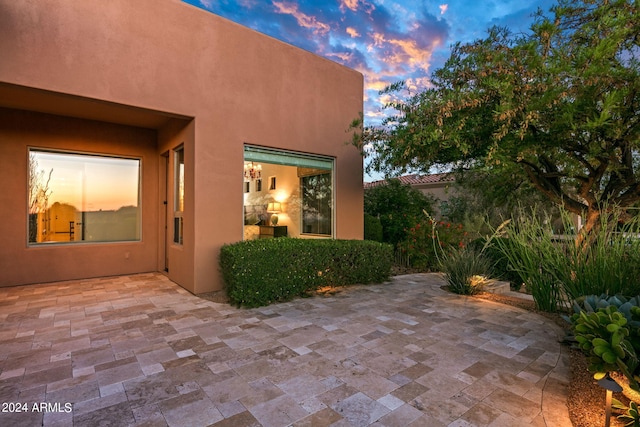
x: 610, y: 384
x: 274, y: 207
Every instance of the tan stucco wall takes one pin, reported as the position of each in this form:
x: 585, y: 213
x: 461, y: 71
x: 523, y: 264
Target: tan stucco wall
x: 19, y: 263
x: 224, y: 84
x: 442, y: 191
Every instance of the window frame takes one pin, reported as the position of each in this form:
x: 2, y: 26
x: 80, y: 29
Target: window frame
x: 331, y: 205
x: 88, y: 154
x: 179, y: 184
x: 284, y: 157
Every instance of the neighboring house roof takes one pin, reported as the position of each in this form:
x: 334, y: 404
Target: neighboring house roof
x: 415, y: 179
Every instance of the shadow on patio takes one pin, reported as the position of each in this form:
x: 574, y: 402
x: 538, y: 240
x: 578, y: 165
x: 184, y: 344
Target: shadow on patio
x: 140, y: 350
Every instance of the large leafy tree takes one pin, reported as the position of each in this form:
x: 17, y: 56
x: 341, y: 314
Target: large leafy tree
x: 558, y: 106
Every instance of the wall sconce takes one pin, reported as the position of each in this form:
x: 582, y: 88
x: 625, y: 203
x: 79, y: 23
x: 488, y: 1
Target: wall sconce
x: 274, y: 208
x: 610, y: 385
x: 252, y: 172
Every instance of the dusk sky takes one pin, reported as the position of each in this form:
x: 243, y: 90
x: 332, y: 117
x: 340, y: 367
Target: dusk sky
x: 386, y: 40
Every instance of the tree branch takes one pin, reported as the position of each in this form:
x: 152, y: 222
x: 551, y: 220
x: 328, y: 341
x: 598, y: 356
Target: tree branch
x: 537, y: 178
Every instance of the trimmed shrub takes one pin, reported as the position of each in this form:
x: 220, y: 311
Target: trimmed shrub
x: 372, y: 228
x: 261, y: 272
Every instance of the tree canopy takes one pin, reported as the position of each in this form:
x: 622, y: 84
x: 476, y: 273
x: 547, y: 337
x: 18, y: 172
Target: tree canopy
x: 558, y: 106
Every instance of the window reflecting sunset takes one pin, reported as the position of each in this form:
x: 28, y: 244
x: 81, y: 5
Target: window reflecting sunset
x: 77, y: 197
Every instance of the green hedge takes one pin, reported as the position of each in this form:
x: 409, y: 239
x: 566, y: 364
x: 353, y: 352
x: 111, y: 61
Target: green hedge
x: 260, y: 272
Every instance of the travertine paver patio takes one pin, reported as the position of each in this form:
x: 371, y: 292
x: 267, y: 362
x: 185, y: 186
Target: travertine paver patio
x: 140, y: 350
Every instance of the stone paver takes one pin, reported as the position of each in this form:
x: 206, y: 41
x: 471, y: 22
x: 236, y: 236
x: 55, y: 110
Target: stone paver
x: 140, y: 350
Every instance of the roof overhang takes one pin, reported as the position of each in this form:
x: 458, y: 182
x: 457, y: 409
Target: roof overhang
x: 44, y: 101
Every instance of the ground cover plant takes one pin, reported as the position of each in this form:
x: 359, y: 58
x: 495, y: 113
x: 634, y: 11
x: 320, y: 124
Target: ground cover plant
x: 261, y: 272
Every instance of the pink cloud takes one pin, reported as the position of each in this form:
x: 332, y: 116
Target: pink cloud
x: 401, y: 54
x: 349, y: 4
x: 304, y: 20
x: 353, y: 32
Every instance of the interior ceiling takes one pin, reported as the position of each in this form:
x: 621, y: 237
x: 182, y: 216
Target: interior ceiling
x: 42, y: 101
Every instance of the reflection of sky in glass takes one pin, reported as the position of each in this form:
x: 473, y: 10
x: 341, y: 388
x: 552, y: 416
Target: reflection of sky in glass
x: 90, y: 183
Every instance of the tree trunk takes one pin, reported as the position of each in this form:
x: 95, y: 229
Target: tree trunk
x: 583, y: 238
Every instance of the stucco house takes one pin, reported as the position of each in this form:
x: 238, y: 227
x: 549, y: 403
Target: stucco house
x: 141, y: 136
x: 439, y: 185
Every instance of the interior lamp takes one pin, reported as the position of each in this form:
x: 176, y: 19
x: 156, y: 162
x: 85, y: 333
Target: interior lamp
x: 274, y: 208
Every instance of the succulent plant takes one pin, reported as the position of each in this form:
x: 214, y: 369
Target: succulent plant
x: 592, y: 303
x: 609, y: 337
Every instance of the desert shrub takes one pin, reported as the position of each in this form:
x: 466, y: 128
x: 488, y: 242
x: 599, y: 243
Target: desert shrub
x: 398, y: 206
x: 372, y: 228
x: 466, y: 270
x: 500, y: 267
x: 260, y: 272
x: 557, y: 271
x: 530, y: 249
x: 427, y: 238
x: 609, y: 264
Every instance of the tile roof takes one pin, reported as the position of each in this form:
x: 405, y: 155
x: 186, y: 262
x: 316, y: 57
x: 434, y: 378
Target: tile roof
x: 415, y: 179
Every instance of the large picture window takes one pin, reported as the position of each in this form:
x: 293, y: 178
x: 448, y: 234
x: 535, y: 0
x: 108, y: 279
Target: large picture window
x: 302, y: 202
x: 77, y: 197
